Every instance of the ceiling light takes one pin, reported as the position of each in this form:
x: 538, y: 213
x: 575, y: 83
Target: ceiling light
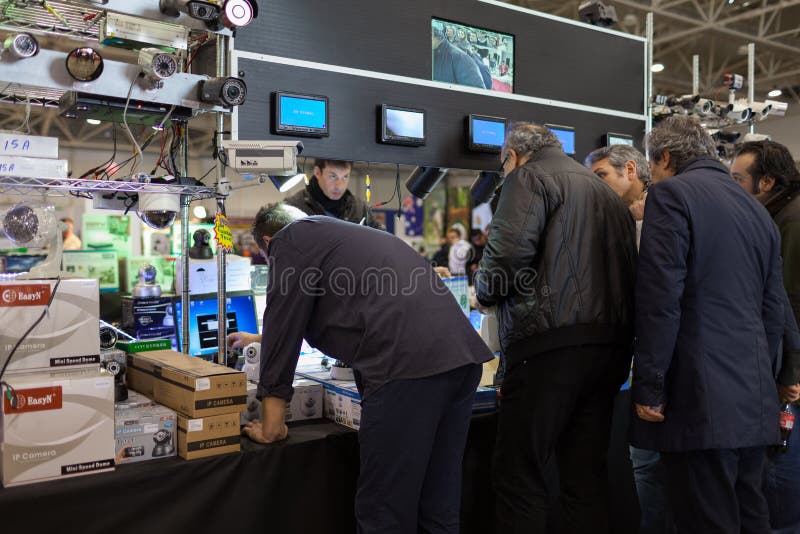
x: 200, y: 212
x: 94, y: 122
x: 775, y: 93
x: 657, y: 67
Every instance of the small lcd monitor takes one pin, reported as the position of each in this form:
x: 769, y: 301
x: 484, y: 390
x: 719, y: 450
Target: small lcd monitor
x: 565, y: 134
x: 300, y: 115
x: 204, y: 325
x: 618, y: 139
x: 401, y: 126
x: 485, y: 134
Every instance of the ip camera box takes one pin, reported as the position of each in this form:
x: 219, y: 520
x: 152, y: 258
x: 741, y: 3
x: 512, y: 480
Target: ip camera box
x: 148, y: 317
x: 61, y: 426
x: 306, y: 402
x: 189, y: 385
x: 67, y: 336
x: 144, y: 430
x: 208, y: 436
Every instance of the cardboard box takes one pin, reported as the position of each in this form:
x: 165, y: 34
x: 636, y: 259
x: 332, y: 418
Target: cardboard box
x: 62, y: 426
x: 208, y: 436
x: 102, y: 265
x: 306, y: 402
x: 144, y: 430
x: 191, y: 386
x: 143, y: 346
x: 69, y: 334
x: 148, y: 317
x: 134, y: 400
x: 32, y: 146
x: 203, y: 275
x: 23, y: 167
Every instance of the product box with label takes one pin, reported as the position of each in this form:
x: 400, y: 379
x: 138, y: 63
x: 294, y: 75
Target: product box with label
x: 203, y: 275
x: 32, y: 146
x: 148, y: 317
x: 144, y: 431
x: 69, y: 334
x: 306, y: 402
x: 191, y: 386
x: 107, y: 232
x: 143, y: 346
x: 23, y: 167
x: 61, y: 425
x: 208, y: 436
x: 102, y: 265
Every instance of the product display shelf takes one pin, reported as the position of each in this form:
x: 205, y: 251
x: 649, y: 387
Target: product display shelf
x: 10, y: 185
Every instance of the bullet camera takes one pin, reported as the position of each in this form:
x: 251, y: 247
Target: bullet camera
x: 231, y: 13
x: 197, y: 9
x: 761, y: 109
x: 226, y: 92
x: 739, y: 113
x: 703, y: 107
x: 157, y: 66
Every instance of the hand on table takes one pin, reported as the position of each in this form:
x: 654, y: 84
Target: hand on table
x: 653, y: 414
x: 239, y: 340
x: 789, y: 393
x: 262, y: 434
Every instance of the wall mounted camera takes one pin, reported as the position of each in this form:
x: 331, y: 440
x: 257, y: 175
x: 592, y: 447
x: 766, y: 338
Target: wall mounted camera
x: 163, y: 443
x: 739, y: 113
x: 108, y: 336
x: 703, y: 107
x: 85, y: 64
x: 761, y: 109
x: 20, y: 46
x: 228, y: 14
x: 157, y: 66
x: 226, y: 92
x: 238, y: 13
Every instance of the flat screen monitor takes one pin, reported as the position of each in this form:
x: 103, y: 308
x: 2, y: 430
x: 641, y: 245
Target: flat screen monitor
x: 485, y: 134
x: 565, y: 134
x: 203, y: 323
x: 402, y: 126
x: 299, y: 114
x: 485, y: 58
x: 619, y: 139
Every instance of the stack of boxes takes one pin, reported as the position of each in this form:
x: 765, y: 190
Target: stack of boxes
x: 57, y: 416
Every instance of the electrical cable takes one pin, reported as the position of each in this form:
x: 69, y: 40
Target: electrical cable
x: 137, y: 148
x: 24, y: 336
x: 396, y: 190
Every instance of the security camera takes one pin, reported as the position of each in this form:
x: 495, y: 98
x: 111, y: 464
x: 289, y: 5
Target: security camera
x: 230, y: 13
x: 703, y: 107
x: 117, y: 370
x: 197, y: 9
x: 226, y: 92
x: 761, y: 109
x: 157, y: 66
x: 739, y: 113
x: 274, y: 158
x: 777, y: 108
x: 158, y: 210
x: 722, y: 136
x: 252, y: 362
x: 147, y: 286
x: 20, y: 46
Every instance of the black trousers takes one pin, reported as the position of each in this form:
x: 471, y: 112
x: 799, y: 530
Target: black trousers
x: 557, y: 406
x: 718, y: 491
x: 412, y: 439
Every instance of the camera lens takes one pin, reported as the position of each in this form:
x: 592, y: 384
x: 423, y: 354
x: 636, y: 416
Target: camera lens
x: 158, y: 219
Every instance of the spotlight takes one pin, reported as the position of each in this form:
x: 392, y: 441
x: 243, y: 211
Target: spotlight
x: 285, y: 183
x: 158, y: 210
x: 226, y: 92
x: 597, y: 13
x: 484, y: 187
x: 657, y: 67
x: 21, y: 46
x: 157, y: 66
x: 423, y: 180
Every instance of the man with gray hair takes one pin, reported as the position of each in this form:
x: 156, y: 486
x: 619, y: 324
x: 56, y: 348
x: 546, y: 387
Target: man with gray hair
x: 559, y: 267
x: 626, y: 171
x: 709, y: 319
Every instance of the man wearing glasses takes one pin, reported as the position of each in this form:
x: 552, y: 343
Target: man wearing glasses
x: 327, y: 194
x: 559, y: 267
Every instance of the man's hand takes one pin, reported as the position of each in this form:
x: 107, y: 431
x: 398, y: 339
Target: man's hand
x: 443, y: 272
x: 789, y: 393
x: 239, y: 340
x: 654, y: 414
x: 265, y: 433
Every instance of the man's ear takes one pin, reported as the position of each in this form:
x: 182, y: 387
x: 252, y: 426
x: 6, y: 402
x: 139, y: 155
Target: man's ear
x: 266, y: 239
x: 766, y: 184
x: 630, y: 171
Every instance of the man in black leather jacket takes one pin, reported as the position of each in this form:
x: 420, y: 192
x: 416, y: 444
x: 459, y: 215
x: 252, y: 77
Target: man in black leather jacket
x: 559, y: 267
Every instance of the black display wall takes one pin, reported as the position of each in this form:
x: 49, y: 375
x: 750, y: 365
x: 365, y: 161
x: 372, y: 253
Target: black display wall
x: 554, y: 59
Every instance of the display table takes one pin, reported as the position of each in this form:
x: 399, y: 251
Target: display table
x: 305, y: 484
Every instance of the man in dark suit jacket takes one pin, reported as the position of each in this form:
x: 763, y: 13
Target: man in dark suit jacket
x: 709, y: 319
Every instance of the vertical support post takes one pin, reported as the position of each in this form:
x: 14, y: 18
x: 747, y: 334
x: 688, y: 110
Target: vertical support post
x: 185, y: 199
x: 696, y: 74
x: 751, y: 79
x: 222, y: 315
x: 648, y: 75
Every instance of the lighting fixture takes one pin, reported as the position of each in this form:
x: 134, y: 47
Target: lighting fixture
x: 484, y: 187
x: 226, y: 92
x: 85, y: 64
x: 93, y: 122
x: 657, y: 67
x: 200, y: 212
x: 775, y: 93
x: 21, y: 46
x: 423, y: 180
x: 285, y: 183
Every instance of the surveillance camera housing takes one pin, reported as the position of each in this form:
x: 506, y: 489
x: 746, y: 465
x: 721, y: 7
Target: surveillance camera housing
x: 158, y: 210
x: 157, y: 66
x: 274, y: 158
x: 226, y: 92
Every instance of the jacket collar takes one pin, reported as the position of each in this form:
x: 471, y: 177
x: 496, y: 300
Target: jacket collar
x: 703, y: 163
x: 547, y: 152
x: 782, y: 198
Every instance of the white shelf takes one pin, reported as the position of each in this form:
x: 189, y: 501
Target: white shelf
x: 62, y: 187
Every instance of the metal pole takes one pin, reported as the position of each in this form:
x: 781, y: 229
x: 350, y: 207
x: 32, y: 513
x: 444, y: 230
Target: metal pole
x: 185, y: 274
x: 222, y: 314
x: 751, y: 79
x: 648, y: 75
x: 696, y: 74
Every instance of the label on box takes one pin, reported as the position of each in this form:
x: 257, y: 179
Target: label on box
x: 32, y: 167
x: 151, y: 428
x: 219, y: 403
x: 214, y: 443
x: 35, y: 400
x: 202, y: 384
x: 74, y: 360
x: 24, y: 295
x: 86, y: 467
x: 195, y: 425
x: 101, y: 384
x: 33, y: 146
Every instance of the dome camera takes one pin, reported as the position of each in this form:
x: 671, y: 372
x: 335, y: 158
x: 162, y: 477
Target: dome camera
x: 158, y: 210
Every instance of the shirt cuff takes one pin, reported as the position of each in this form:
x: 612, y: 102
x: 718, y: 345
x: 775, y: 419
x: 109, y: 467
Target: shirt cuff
x: 280, y: 391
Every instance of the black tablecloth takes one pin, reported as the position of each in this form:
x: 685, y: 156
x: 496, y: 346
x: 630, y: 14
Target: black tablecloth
x: 305, y: 484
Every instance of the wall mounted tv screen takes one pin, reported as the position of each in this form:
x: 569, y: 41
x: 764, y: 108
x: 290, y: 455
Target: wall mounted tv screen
x: 485, y: 134
x: 565, y: 134
x: 402, y: 126
x: 298, y: 114
x: 471, y: 56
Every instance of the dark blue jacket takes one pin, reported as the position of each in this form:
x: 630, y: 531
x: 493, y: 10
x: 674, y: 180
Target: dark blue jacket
x: 453, y: 65
x: 709, y: 315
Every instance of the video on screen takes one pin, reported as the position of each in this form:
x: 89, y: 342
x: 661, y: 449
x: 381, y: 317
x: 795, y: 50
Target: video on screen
x: 465, y: 55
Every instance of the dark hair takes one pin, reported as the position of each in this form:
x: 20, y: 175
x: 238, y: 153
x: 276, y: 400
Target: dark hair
x: 684, y: 138
x: 321, y: 163
x: 272, y: 219
x: 67, y: 220
x: 770, y: 159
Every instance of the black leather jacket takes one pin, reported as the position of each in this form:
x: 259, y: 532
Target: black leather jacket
x: 560, y: 260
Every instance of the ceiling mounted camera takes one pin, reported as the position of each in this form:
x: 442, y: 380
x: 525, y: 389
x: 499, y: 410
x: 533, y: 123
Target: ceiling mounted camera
x: 157, y: 66
x: 20, y: 46
x: 226, y: 92
x: 205, y: 11
x: 158, y: 210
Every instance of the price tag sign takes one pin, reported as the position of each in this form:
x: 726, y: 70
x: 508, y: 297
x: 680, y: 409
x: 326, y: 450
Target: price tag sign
x: 222, y: 232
